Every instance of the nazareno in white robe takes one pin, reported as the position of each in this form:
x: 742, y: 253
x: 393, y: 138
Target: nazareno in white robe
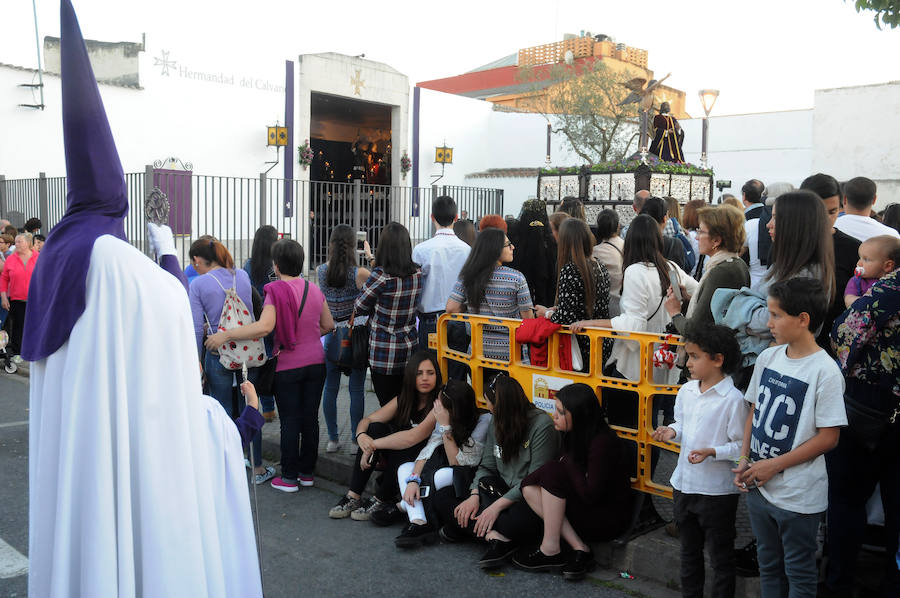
x: 137, y: 480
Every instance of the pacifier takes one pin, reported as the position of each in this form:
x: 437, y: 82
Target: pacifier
x: 664, y: 357
x: 859, y: 271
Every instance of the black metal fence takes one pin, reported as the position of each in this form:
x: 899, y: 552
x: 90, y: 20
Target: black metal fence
x: 232, y: 208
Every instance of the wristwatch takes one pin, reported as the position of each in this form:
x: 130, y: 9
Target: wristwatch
x: 443, y: 429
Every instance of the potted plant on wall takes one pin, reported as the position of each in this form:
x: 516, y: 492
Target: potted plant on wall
x: 405, y: 164
x: 304, y: 154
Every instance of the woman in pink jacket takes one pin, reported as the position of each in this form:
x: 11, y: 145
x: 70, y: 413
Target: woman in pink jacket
x: 14, y: 289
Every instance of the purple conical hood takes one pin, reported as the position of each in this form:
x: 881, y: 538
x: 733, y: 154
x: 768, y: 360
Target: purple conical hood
x: 97, y: 201
x: 95, y: 180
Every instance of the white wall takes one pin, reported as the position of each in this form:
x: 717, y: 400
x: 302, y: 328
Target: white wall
x: 854, y: 133
x: 219, y: 127
x: 771, y: 146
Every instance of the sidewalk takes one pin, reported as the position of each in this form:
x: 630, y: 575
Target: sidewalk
x: 653, y: 556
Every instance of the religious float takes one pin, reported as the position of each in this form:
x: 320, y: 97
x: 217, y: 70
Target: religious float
x: 613, y: 184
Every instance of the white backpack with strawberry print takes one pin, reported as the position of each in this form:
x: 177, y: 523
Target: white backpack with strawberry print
x: 235, y: 314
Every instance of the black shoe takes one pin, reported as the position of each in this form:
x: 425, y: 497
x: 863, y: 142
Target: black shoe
x: 451, y: 534
x: 535, y: 560
x: 414, y: 535
x: 578, y: 565
x: 745, y: 563
x: 389, y: 515
x: 497, y: 553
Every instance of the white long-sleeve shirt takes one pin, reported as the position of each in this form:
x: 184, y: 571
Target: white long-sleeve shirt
x: 641, y: 310
x: 713, y: 419
x: 441, y: 258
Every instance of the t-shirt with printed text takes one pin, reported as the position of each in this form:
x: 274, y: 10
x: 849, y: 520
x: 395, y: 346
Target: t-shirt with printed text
x: 792, y: 398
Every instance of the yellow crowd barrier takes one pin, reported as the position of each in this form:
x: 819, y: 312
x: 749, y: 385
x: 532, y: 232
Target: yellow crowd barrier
x: 541, y: 383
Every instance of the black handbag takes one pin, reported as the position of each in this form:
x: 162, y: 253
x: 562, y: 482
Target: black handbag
x: 491, y: 488
x: 865, y: 423
x: 359, y: 341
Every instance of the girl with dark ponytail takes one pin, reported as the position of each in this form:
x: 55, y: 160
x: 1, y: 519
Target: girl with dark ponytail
x: 340, y: 280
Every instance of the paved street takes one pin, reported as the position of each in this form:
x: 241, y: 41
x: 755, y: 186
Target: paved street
x: 304, y: 552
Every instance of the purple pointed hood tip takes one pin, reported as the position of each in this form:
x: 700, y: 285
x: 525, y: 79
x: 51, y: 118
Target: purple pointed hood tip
x: 96, y: 202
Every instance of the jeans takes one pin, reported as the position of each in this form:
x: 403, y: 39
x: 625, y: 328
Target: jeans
x: 219, y: 385
x: 329, y: 399
x: 853, y: 472
x: 298, y: 393
x: 786, y: 549
x: 706, y: 520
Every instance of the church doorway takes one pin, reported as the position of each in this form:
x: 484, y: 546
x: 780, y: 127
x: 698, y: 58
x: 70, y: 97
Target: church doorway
x: 350, y: 140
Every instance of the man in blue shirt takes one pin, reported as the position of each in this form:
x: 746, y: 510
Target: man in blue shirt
x: 441, y: 258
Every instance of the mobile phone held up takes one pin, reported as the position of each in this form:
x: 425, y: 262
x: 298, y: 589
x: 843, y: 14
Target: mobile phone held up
x: 676, y: 284
x: 360, y: 239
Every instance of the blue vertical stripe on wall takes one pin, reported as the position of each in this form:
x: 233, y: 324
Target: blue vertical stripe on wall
x: 290, y: 150
x: 415, y: 152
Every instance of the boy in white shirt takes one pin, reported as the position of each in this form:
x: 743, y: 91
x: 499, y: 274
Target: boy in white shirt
x: 797, y: 391
x: 709, y: 423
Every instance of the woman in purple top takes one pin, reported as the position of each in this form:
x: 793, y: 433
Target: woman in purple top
x: 296, y: 310
x: 216, y: 272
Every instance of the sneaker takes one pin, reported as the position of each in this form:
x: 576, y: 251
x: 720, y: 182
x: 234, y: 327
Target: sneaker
x: 497, y: 553
x: 280, y: 484
x: 332, y: 446
x: 345, y: 507
x: 388, y: 515
x: 247, y: 463
x: 745, y: 562
x: 578, y: 565
x: 414, y: 535
x: 306, y: 480
x: 262, y: 478
x: 16, y: 359
x: 535, y: 560
x: 451, y: 534
x: 365, y: 510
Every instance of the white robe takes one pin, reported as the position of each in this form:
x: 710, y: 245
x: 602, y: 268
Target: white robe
x: 137, y: 480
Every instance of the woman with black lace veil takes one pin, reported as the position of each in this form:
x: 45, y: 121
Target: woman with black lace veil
x: 536, y: 252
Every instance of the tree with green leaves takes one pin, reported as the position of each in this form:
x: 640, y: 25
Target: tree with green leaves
x: 582, y: 102
x: 887, y: 12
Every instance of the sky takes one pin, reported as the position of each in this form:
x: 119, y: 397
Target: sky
x: 762, y: 56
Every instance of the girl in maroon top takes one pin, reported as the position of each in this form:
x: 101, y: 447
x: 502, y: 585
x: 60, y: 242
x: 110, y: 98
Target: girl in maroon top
x: 585, y: 494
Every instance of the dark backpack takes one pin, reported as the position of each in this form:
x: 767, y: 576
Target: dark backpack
x: 690, y: 256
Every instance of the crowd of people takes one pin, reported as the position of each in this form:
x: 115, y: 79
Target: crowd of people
x: 788, y: 308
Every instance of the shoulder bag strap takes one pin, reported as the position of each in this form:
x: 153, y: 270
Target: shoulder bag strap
x: 303, y: 300
x: 614, y: 247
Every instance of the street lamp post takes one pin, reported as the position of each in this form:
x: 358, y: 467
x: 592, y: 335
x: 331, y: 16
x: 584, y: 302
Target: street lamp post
x: 708, y: 99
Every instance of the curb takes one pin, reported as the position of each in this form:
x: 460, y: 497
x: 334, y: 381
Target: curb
x: 654, y: 556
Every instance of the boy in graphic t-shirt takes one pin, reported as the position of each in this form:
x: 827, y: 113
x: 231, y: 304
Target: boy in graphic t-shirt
x: 797, y: 393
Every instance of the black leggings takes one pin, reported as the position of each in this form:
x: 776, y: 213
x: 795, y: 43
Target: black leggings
x: 15, y: 324
x: 386, y: 386
x: 517, y: 522
x: 387, y: 486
